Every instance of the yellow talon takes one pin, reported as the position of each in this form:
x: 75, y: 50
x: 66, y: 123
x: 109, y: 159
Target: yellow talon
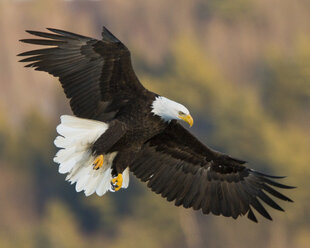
x: 98, y: 162
x: 117, y: 182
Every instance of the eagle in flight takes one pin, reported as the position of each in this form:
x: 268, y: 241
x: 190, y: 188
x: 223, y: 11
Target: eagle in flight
x: 119, y: 126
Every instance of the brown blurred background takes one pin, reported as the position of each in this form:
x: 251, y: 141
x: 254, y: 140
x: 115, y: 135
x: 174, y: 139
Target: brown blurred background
x: 241, y: 66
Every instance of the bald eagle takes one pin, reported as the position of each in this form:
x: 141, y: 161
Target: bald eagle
x: 119, y: 126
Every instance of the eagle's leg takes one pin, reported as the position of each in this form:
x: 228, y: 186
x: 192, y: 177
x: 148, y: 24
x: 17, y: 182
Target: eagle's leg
x: 120, y: 163
x: 104, y: 143
x: 98, y: 162
x: 117, y: 182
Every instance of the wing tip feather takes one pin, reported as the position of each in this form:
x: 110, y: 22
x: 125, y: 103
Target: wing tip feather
x: 252, y: 216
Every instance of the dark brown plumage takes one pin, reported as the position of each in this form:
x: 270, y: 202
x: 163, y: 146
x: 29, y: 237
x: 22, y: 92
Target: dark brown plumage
x: 177, y: 166
x: 98, y: 78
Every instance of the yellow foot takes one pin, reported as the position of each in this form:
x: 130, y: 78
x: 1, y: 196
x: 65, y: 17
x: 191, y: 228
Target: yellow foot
x: 117, y: 182
x: 98, y: 162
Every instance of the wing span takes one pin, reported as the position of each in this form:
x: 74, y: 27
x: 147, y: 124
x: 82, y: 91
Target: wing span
x: 97, y: 75
x: 180, y: 168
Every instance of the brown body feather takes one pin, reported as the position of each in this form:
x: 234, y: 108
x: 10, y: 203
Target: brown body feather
x: 98, y: 78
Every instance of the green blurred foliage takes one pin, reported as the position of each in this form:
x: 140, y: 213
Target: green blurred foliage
x: 264, y: 121
x: 229, y: 10
x: 286, y: 90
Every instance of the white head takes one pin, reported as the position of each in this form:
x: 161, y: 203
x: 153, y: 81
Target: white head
x: 170, y: 110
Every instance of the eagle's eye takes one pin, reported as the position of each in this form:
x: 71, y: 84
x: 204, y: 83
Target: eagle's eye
x: 181, y: 113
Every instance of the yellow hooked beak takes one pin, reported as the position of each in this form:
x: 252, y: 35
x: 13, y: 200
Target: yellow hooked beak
x: 188, y: 119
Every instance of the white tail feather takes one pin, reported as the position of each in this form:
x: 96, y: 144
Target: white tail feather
x: 75, y: 157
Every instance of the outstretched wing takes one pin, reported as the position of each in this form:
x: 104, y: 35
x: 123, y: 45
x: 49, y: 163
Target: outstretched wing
x: 180, y: 168
x: 97, y: 75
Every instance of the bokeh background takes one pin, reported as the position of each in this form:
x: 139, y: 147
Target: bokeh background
x: 241, y: 66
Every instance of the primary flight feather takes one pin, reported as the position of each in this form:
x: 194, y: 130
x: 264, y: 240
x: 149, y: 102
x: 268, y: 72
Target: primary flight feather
x: 120, y: 126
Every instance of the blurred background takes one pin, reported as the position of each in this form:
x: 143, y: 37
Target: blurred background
x: 241, y: 66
